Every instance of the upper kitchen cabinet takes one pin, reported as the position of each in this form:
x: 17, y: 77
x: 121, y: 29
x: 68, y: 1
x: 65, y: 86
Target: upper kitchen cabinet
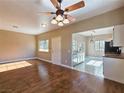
x: 118, y: 35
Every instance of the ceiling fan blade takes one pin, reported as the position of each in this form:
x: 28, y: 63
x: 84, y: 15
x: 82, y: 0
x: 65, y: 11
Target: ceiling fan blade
x: 71, y: 18
x: 56, y: 4
x: 75, y: 6
x: 38, y: 2
x: 47, y: 13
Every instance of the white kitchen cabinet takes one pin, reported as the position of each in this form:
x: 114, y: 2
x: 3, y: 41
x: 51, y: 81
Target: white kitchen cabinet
x: 118, y: 35
x: 114, y: 69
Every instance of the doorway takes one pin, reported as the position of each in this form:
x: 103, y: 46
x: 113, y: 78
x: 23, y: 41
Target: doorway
x: 88, y: 49
x: 56, y: 50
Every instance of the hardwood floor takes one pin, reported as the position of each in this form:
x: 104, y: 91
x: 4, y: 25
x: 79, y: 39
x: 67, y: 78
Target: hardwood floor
x: 35, y: 76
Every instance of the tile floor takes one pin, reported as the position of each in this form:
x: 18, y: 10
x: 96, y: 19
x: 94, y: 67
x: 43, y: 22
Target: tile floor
x: 92, y: 65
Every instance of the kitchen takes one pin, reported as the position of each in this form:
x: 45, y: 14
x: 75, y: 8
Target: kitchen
x: 113, y: 60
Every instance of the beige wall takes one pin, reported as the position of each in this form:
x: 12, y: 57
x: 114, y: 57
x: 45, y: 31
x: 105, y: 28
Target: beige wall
x: 14, y: 46
x: 108, y: 19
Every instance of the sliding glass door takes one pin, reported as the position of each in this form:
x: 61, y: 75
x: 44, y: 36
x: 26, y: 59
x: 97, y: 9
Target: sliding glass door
x: 78, y: 52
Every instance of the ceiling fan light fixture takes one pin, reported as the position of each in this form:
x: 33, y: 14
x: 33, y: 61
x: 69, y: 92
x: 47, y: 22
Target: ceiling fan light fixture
x: 54, y: 21
x: 43, y: 25
x: 59, y: 18
x: 61, y: 14
x: 66, y: 21
x: 60, y: 24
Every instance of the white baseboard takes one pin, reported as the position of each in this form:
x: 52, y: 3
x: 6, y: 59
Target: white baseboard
x: 119, y: 81
x: 62, y: 65
x: 10, y: 61
x: 49, y: 61
x: 44, y: 60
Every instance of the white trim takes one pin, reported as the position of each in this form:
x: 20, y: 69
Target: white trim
x: 10, y: 61
x: 66, y: 66
x: 44, y: 60
x: 114, y: 80
x: 49, y: 61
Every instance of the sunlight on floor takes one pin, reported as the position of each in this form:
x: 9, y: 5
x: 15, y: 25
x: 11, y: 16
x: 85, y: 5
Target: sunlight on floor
x: 95, y: 63
x: 12, y: 66
x: 91, y: 66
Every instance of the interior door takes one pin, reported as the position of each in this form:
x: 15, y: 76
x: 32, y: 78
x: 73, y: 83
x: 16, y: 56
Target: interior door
x: 56, y: 50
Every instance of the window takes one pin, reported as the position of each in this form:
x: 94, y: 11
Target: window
x: 44, y: 45
x: 78, y: 46
x: 99, y: 45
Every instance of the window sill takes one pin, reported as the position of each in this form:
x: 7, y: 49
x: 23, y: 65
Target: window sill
x: 41, y: 50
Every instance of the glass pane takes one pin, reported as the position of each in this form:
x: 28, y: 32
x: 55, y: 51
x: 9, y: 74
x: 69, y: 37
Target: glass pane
x: 99, y: 45
x: 43, y: 45
x: 78, y: 52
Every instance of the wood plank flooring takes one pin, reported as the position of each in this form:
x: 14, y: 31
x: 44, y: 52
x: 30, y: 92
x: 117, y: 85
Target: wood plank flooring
x: 42, y: 77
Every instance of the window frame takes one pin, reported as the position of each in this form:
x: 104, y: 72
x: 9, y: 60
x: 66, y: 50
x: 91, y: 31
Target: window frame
x: 40, y: 49
x: 98, y: 44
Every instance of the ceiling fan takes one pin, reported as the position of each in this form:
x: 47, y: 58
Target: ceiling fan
x: 61, y: 15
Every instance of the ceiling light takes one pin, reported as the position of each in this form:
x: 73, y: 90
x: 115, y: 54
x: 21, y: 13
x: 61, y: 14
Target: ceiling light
x: 44, y: 25
x: 92, y: 39
x: 59, y: 18
x: 53, y: 21
x: 65, y: 21
x: 60, y: 24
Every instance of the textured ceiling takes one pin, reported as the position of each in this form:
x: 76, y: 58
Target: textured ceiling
x: 24, y: 13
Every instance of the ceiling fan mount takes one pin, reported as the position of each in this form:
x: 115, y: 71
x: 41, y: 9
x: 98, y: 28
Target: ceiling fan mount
x: 60, y: 12
x: 60, y: 1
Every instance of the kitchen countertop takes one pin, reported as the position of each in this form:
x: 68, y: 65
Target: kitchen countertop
x: 118, y: 56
